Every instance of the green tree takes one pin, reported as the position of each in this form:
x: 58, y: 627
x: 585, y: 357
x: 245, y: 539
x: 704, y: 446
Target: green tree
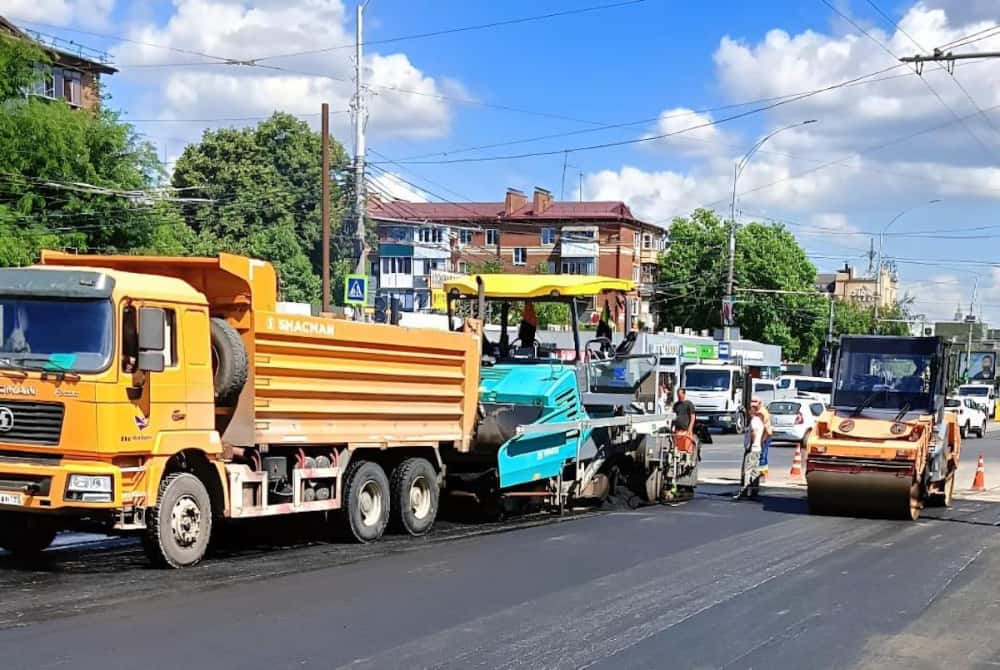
x: 76, y: 179
x: 264, y: 183
x: 768, y: 258
x: 18, y: 59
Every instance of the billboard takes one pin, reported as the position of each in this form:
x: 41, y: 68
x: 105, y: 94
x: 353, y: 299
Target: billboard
x: 983, y: 368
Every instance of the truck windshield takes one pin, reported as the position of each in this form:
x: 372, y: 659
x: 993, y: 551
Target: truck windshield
x: 55, y: 334
x: 706, y: 380
x: 885, y: 374
x: 979, y: 391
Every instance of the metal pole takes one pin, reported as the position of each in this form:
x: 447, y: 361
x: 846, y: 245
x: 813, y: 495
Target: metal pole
x: 325, y: 204
x: 732, y: 237
x: 829, y: 339
x: 878, y: 282
x: 359, y: 147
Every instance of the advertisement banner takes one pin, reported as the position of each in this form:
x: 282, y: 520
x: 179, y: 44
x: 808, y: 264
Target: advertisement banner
x: 982, y: 369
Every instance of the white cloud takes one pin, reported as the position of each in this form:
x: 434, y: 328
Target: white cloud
x: 245, y: 30
x: 789, y: 174
x: 392, y: 186
x: 704, y: 140
x: 89, y: 13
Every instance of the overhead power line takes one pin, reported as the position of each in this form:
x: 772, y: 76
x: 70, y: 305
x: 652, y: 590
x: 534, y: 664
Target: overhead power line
x: 651, y: 138
x: 930, y: 88
x: 460, y: 29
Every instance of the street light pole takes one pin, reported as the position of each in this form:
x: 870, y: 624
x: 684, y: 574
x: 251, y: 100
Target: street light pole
x: 737, y: 171
x: 878, y: 268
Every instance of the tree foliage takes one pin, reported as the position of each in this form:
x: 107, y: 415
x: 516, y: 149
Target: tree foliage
x: 768, y: 258
x: 693, y: 278
x: 265, y: 186
x: 70, y: 178
x: 18, y: 59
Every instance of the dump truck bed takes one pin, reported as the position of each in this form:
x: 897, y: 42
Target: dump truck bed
x: 320, y: 380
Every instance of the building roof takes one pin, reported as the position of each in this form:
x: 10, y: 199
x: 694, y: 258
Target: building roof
x: 825, y: 281
x: 494, y: 211
x: 64, y: 51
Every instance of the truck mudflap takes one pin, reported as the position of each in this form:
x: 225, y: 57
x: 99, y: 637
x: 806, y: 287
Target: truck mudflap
x: 863, y: 487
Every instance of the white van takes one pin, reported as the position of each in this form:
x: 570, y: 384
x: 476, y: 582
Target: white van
x: 981, y: 393
x: 820, y: 388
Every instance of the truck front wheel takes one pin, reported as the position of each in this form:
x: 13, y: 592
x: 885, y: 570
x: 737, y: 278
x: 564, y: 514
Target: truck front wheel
x: 25, y: 535
x: 414, y: 496
x: 366, y: 501
x: 179, y: 526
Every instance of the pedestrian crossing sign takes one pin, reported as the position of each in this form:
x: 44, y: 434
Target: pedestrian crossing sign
x: 355, y: 289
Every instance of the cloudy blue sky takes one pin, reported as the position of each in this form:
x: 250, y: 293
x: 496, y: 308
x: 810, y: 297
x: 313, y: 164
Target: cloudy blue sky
x: 465, y: 114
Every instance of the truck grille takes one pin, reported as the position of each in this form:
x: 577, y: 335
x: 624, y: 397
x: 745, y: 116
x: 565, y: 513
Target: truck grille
x: 31, y: 422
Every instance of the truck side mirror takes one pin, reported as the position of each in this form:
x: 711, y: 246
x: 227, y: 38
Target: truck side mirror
x: 152, y: 339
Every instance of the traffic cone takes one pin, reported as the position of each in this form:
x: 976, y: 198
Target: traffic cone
x: 796, y: 470
x: 979, y: 483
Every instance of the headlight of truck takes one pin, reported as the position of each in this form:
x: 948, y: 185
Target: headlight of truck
x: 89, y: 488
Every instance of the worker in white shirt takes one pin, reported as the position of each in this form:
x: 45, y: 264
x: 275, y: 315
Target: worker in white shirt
x: 752, y: 447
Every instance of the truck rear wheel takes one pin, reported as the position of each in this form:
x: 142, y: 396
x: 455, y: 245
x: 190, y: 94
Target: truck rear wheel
x: 179, y: 526
x: 25, y: 535
x: 366, y: 501
x: 230, y: 365
x: 415, y: 496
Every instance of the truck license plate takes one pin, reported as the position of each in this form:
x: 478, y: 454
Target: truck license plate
x: 10, y: 499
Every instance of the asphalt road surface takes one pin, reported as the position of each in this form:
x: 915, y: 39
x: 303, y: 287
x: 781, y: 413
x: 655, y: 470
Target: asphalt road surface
x: 721, y: 460
x: 706, y: 584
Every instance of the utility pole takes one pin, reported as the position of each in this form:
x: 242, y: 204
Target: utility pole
x: 581, y: 187
x: 325, y: 204
x: 359, y: 147
x: 971, y: 320
x: 829, y: 340
x: 737, y: 171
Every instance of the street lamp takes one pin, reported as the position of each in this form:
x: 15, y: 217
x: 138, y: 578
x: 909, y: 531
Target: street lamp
x: 737, y: 171
x: 881, y: 242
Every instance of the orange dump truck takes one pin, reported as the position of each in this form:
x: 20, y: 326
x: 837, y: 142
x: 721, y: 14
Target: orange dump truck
x: 158, y: 396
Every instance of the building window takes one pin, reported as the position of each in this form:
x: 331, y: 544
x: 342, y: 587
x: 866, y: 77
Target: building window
x: 463, y: 267
x: 548, y: 235
x: 520, y: 256
x: 431, y: 235
x: 492, y: 237
x: 45, y: 82
x: 70, y: 91
x: 636, y: 271
x: 464, y: 237
x: 578, y: 266
x: 647, y: 241
x: 397, y: 266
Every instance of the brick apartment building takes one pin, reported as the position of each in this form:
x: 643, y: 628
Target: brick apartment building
x: 74, y: 72
x: 521, y: 234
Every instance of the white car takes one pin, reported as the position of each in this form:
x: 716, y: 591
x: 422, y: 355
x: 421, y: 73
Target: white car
x: 820, y: 388
x: 970, y: 415
x: 981, y: 393
x: 793, y: 419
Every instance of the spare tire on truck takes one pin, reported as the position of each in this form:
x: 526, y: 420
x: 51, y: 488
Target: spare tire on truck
x: 230, y: 364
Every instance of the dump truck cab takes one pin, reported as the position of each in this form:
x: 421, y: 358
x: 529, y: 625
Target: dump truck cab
x: 886, y: 444
x: 94, y: 400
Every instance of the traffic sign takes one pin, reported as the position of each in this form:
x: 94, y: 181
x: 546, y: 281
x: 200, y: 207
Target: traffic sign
x: 355, y: 289
x: 724, y: 351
